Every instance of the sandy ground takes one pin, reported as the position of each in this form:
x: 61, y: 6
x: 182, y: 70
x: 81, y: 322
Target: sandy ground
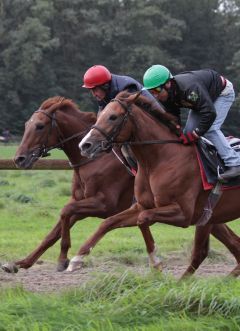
x: 43, y: 277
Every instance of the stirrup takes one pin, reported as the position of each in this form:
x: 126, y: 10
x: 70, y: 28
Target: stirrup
x: 219, y: 175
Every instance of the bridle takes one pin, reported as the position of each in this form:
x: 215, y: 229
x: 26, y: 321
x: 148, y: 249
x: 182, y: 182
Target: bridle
x: 110, y: 137
x: 43, y: 150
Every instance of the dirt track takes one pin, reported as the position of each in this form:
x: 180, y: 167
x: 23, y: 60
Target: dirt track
x: 44, y: 278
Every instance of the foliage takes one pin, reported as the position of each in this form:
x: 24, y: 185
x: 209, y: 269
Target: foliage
x: 47, y: 45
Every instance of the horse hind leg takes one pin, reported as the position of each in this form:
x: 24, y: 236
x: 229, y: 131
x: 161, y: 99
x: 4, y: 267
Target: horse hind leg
x: 27, y: 262
x: 235, y: 272
x: 73, y: 211
x: 201, y: 246
x: 200, y: 249
x: 224, y: 234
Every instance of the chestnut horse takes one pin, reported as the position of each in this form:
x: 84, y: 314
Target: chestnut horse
x: 100, y: 188
x: 168, y: 185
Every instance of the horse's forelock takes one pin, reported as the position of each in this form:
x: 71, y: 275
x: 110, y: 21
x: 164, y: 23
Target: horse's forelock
x: 54, y: 103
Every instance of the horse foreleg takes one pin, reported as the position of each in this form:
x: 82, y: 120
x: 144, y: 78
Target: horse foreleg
x: 154, y: 261
x: 171, y: 214
x: 200, y: 249
x: 126, y: 218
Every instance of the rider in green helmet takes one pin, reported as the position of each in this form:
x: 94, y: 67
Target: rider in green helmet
x: 157, y: 75
x: 209, y: 97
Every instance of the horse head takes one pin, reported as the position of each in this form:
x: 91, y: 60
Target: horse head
x: 45, y: 130
x: 113, y: 125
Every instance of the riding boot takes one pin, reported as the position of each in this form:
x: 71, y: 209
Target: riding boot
x: 231, y: 172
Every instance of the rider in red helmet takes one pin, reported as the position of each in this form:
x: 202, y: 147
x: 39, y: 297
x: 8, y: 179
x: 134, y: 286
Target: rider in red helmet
x: 97, y: 75
x: 105, y: 86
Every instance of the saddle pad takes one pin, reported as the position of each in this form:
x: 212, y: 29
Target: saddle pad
x: 209, y: 173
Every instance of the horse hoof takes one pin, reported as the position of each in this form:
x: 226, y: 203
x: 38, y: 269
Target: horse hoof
x: 10, y: 268
x: 62, y: 265
x: 185, y: 276
x: 73, y: 266
x: 75, y: 263
x: 158, y: 266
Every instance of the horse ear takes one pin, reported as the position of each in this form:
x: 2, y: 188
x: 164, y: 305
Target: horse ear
x: 133, y: 97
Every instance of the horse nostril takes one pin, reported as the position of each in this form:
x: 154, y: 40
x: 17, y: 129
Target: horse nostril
x: 85, y: 146
x: 19, y: 160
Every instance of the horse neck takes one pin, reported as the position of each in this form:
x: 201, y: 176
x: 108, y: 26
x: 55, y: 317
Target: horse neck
x: 71, y: 123
x: 146, y: 128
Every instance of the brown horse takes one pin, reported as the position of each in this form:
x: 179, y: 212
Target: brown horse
x: 100, y: 187
x: 168, y: 185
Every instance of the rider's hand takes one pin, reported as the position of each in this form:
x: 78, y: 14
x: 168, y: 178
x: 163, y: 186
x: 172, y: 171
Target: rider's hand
x: 189, y: 138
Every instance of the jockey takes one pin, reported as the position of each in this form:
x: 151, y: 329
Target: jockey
x: 104, y: 85
x: 209, y: 96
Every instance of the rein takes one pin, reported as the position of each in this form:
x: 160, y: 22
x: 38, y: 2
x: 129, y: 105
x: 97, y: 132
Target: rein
x: 109, y: 142
x: 147, y: 142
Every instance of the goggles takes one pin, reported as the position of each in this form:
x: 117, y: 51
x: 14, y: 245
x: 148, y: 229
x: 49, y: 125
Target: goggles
x: 157, y: 89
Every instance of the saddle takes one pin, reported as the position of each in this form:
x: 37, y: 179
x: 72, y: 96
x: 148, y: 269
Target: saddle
x: 211, y: 162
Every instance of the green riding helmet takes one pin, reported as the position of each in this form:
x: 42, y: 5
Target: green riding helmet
x: 155, y: 76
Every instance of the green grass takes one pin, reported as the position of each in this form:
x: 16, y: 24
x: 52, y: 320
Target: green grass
x: 128, y: 302
x: 30, y: 203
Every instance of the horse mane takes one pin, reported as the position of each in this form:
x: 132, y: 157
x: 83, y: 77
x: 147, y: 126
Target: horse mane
x: 58, y: 102
x: 152, y: 108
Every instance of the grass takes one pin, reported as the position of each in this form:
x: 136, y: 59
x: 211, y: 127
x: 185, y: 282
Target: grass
x: 8, y: 152
x: 129, y: 302
x: 30, y: 203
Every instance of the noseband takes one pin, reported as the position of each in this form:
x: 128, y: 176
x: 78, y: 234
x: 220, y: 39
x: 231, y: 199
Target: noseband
x: 110, y: 137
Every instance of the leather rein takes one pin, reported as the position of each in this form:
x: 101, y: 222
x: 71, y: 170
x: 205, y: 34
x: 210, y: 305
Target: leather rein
x: 110, y: 137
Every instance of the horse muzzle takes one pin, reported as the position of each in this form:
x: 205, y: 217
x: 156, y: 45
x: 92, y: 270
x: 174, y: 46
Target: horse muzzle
x: 91, y: 149
x: 26, y: 161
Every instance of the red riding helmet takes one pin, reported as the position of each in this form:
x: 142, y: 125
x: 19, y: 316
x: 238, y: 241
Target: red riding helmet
x: 96, y: 76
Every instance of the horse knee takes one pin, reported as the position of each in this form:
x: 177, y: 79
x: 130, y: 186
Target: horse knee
x: 144, y: 217
x: 67, y: 211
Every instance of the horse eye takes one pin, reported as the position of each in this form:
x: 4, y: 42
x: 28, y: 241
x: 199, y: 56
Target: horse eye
x: 39, y: 126
x: 112, y: 117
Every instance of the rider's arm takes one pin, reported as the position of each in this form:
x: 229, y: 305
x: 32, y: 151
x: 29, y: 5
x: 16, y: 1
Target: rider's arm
x: 200, y: 101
